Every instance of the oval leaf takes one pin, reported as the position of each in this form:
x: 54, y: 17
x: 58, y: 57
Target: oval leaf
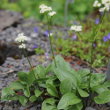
x: 103, y: 98
x: 67, y: 100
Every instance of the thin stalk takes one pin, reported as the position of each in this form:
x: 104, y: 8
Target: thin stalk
x: 80, y: 36
x: 50, y: 41
x: 66, y: 12
x: 25, y: 54
x: 99, y: 26
x: 31, y: 66
x: 92, y: 52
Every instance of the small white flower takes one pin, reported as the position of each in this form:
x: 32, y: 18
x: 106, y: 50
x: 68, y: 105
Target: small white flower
x: 102, y: 9
x: 21, y: 38
x: 76, y: 28
x: 52, y: 13
x: 44, y: 8
x: 50, y: 34
x: 22, y: 46
x: 105, y: 1
x: 106, y: 4
x: 96, y: 4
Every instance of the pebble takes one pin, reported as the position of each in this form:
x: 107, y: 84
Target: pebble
x: 90, y: 108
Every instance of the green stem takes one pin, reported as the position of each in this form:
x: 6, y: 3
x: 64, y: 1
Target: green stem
x: 24, y: 52
x: 99, y: 27
x: 66, y: 12
x: 92, y: 47
x: 50, y: 41
x: 31, y: 66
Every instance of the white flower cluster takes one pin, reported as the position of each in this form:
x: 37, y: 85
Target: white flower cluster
x: 21, y: 40
x: 76, y: 28
x: 22, y: 46
x: 96, y: 4
x: 103, y: 6
x: 51, y: 13
x: 44, y: 8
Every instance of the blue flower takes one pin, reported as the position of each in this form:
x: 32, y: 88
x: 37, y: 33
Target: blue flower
x: 36, y: 29
x: 105, y: 38
x: 74, y: 37
x: 35, y: 46
x: 46, y: 33
x: 97, y: 21
x: 109, y: 36
x: 94, y: 45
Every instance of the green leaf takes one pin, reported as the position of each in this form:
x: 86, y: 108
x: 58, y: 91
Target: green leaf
x: 67, y: 100
x: 100, y: 88
x: 16, y: 85
x: 107, y: 83
x: 48, y: 68
x: 27, y: 92
x: 51, y: 89
x: 23, y: 100
x: 83, y: 93
x: 40, y: 72
x: 83, y: 72
x: 33, y: 98
x: 49, y: 104
x: 83, y: 78
x: 78, y: 106
x: 37, y: 92
x: 66, y: 86
x: 28, y: 78
x: 64, y: 71
x: 7, y: 91
x: 97, y: 79
x: 103, y: 98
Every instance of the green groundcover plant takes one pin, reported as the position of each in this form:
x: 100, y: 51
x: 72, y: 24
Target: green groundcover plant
x: 58, y: 87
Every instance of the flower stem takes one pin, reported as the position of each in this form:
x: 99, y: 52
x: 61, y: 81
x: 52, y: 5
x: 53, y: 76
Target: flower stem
x: 50, y: 41
x: 92, y: 47
x: 31, y: 66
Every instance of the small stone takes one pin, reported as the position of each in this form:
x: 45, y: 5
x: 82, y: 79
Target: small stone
x: 89, y: 108
x: 33, y: 108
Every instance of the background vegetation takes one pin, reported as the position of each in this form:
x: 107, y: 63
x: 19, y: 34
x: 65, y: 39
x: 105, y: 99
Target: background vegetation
x: 76, y: 8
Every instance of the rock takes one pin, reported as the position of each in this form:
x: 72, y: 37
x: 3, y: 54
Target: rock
x: 108, y: 104
x: 0, y: 107
x: 89, y: 108
x: 8, y: 18
x: 34, y: 108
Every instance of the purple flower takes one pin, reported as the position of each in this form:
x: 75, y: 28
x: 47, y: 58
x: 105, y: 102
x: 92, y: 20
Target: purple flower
x: 109, y: 36
x: 46, y: 33
x: 47, y: 55
x: 105, y: 38
x: 97, y: 21
x: 36, y: 29
x: 74, y: 37
x: 35, y: 46
x: 94, y: 44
